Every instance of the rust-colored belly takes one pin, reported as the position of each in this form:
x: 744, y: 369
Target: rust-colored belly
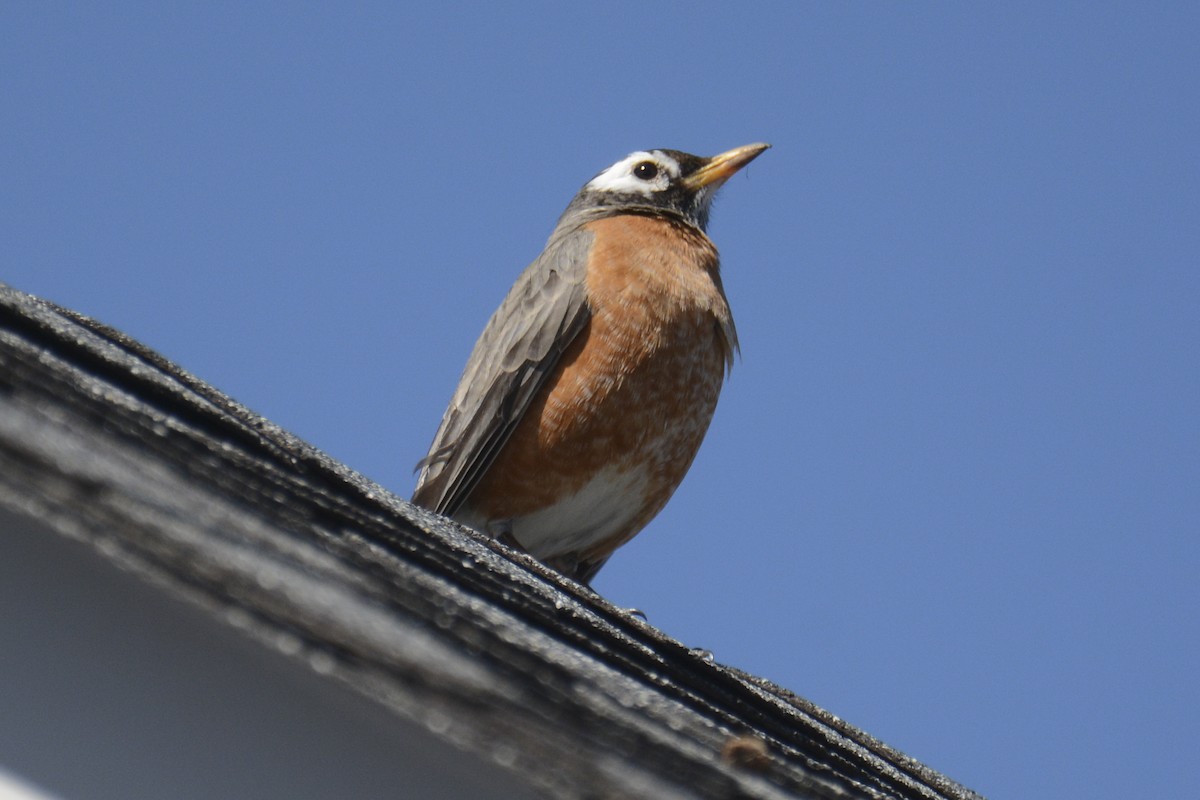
x: 617, y: 425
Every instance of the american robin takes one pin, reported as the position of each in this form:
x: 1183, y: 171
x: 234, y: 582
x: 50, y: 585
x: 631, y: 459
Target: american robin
x: 590, y: 390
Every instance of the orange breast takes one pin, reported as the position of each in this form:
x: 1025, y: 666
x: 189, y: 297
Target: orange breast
x: 635, y: 391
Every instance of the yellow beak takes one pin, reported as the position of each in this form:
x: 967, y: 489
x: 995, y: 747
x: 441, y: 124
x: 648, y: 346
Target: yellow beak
x: 720, y: 168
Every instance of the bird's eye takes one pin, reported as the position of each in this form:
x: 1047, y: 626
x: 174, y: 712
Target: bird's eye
x: 646, y: 170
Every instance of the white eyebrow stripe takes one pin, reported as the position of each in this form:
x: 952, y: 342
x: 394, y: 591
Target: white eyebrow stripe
x: 619, y: 177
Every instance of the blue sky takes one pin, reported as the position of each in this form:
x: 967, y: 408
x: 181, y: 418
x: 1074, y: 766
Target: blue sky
x: 952, y: 491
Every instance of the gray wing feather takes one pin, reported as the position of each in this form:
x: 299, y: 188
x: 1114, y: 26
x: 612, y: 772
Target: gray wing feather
x: 543, y: 313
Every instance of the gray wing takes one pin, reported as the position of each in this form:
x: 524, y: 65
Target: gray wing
x: 523, y: 341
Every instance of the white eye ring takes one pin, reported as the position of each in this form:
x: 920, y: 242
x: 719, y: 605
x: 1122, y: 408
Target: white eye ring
x: 630, y: 176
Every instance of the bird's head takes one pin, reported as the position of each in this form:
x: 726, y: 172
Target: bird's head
x: 662, y: 181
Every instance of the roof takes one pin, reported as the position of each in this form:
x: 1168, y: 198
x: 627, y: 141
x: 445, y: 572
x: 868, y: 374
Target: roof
x: 525, y: 674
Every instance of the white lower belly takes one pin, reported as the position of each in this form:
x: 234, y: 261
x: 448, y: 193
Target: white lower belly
x: 604, y: 506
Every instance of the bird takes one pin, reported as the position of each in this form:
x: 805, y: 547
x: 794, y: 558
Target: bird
x: 590, y: 390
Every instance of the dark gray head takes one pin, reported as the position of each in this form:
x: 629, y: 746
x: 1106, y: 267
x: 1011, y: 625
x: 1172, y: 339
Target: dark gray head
x: 664, y: 182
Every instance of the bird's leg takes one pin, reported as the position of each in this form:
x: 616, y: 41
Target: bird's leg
x: 502, y: 531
